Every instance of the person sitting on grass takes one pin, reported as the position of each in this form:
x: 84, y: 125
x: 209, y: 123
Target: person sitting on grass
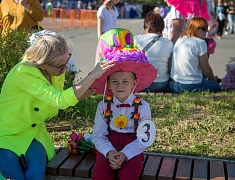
x: 120, y: 146
x: 190, y: 70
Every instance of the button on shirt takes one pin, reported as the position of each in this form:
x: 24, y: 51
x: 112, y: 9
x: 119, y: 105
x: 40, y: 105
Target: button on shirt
x: 100, y: 132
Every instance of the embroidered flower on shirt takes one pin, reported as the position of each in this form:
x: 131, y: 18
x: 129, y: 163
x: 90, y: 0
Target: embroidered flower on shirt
x: 120, y: 121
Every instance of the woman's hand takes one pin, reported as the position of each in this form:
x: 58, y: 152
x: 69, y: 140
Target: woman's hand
x: 81, y: 88
x: 101, y: 68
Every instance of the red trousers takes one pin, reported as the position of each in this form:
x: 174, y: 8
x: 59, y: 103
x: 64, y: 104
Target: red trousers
x: 130, y: 169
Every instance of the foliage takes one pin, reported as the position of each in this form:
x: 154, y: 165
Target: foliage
x: 13, y: 46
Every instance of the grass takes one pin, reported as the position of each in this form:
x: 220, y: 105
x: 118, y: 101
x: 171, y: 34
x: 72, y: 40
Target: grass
x: 197, y: 124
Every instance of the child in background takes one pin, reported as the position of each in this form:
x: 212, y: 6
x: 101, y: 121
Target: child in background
x: 123, y: 128
x: 212, y: 31
x: 107, y: 16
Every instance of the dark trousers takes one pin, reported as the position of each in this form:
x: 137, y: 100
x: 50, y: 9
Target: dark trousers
x: 220, y: 27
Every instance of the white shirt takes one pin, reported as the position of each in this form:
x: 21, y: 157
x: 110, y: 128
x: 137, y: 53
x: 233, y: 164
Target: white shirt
x: 100, y: 132
x: 158, y: 54
x: 185, y: 61
x: 109, y: 17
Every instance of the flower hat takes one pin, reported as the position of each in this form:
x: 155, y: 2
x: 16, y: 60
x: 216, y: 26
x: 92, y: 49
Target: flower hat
x: 117, y: 44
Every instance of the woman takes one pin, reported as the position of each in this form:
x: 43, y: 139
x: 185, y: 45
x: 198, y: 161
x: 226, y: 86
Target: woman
x: 190, y: 60
x: 107, y: 16
x: 231, y: 15
x: 159, y: 54
x: 221, y: 17
x: 31, y: 94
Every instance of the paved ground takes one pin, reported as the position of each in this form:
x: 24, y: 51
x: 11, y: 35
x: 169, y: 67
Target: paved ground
x: 85, y: 41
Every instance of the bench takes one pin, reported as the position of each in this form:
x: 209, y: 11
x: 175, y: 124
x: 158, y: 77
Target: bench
x: 66, y: 165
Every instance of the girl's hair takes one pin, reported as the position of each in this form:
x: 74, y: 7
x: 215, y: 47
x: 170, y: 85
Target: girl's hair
x: 194, y: 24
x: 46, y: 50
x: 108, y: 4
x: 154, y: 22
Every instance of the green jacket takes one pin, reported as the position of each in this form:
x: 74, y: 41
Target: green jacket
x: 27, y: 100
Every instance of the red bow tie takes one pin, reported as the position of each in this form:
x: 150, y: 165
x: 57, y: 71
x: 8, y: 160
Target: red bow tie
x: 123, y: 105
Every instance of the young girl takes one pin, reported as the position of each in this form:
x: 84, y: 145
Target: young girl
x: 212, y: 31
x: 107, y: 16
x: 120, y: 145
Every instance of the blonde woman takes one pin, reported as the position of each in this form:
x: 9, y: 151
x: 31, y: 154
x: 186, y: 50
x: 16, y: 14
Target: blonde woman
x: 32, y: 93
x: 107, y: 16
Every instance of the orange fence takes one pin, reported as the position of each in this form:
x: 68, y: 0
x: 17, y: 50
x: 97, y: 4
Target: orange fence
x: 69, y: 18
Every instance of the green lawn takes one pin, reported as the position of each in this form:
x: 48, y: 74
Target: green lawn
x: 198, y: 124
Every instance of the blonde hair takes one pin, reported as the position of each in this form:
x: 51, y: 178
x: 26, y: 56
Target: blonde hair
x: 194, y: 24
x: 45, y: 50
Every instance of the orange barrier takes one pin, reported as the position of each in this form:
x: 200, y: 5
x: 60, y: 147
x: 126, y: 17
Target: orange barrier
x: 69, y: 18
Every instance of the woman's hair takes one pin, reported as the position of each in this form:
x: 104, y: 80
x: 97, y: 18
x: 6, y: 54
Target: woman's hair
x: 194, y: 24
x: 46, y: 49
x: 154, y: 22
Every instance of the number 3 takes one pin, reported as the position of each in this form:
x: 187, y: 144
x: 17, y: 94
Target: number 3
x: 146, y: 133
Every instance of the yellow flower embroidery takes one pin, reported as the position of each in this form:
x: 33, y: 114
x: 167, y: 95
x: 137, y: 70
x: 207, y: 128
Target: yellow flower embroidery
x: 120, y: 121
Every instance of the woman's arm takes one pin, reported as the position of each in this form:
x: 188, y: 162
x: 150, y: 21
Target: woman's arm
x: 83, y: 86
x: 100, y: 23
x: 206, y: 68
x: 177, y: 26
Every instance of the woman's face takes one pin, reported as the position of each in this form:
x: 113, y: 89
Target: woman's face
x: 57, y: 68
x: 202, y: 31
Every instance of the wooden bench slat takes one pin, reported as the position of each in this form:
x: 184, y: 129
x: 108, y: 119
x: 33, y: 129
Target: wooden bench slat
x: 84, y: 169
x: 184, y: 169
x: 67, y: 168
x: 217, y: 170
x: 230, y: 170
x: 200, y: 169
x: 167, y: 169
x: 53, y: 165
x: 151, y: 168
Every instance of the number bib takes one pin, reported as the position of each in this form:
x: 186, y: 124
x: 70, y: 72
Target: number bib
x: 146, y: 133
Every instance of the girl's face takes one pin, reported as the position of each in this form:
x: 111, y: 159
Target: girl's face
x: 121, y: 84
